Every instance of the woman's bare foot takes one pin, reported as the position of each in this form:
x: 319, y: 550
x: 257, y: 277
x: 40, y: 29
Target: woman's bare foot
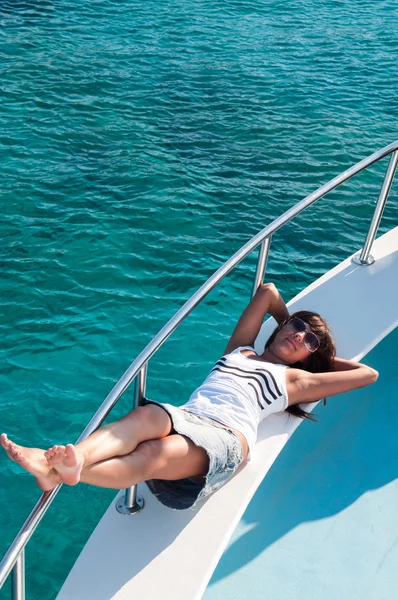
x: 34, y: 461
x: 67, y: 461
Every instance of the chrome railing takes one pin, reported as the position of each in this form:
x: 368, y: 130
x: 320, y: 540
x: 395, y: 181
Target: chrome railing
x: 14, y: 557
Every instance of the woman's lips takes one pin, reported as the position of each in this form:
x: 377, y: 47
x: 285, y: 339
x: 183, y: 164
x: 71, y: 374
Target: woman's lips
x: 291, y: 343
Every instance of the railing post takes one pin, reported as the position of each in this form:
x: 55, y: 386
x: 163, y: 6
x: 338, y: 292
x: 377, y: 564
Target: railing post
x: 132, y: 503
x: 18, y: 578
x: 261, y: 263
x: 366, y: 258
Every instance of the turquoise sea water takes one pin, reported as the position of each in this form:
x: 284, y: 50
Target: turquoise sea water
x: 141, y: 144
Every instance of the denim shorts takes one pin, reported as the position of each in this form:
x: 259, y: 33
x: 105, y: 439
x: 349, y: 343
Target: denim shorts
x: 223, y: 448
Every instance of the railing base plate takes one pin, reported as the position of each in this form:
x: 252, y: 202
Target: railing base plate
x: 363, y: 263
x: 125, y: 510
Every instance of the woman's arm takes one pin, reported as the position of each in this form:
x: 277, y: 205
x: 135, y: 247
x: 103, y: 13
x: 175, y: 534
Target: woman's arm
x: 309, y: 387
x: 267, y: 299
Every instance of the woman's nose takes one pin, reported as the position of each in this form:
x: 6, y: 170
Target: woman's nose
x: 299, y: 335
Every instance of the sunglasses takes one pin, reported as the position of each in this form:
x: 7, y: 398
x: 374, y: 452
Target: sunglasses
x: 297, y: 325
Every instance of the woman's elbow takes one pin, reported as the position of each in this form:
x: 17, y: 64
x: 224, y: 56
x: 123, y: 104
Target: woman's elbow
x: 373, y: 375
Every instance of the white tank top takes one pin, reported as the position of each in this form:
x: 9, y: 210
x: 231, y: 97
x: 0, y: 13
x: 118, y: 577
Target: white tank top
x: 240, y: 392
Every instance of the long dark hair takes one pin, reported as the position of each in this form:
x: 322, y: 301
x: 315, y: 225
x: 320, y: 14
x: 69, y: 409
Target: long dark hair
x: 320, y: 361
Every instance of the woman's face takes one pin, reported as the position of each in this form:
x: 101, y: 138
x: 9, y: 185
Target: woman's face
x: 289, y: 345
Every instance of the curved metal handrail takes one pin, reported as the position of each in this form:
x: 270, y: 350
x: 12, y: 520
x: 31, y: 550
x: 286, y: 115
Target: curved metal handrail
x: 16, y: 549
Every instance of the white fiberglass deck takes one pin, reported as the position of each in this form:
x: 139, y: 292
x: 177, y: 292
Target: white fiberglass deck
x: 172, y: 554
x: 324, y: 524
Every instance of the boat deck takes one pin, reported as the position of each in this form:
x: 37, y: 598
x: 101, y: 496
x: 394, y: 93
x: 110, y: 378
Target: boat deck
x: 323, y: 524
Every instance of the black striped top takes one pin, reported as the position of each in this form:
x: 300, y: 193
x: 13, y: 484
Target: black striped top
x: 240, y: 392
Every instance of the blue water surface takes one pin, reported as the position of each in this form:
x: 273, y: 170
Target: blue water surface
x: 141, y: 144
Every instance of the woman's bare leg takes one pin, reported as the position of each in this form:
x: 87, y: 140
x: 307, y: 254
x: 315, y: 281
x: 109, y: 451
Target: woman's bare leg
x: 116, y: 439
x: 171, y: 458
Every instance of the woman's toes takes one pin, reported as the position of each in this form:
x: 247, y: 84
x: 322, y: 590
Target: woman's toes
x: 4, y: 440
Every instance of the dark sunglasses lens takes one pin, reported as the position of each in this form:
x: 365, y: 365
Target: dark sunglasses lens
x: 311, y: 341
x: 297, y: 324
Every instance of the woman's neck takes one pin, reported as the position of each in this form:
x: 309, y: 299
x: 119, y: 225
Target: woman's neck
x: 269, y: 356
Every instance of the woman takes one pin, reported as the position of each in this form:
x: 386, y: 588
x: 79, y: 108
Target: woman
x: 189, y: 452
